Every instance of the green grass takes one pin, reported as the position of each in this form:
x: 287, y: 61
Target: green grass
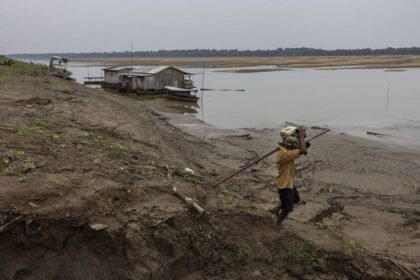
x: 30, y: 131
x: 117, y: 146
x: 84, y: 134
x: 226, y: 198
x: 28, y: 166
x: 22, y: 178
x: 56, y: 136
x: 241, y: 257
x: 299, y: 250
x: 6, y: 123
x: 76, y: 177
x: 19, y: 67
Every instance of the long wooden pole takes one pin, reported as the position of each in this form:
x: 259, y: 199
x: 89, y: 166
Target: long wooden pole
x: 132, y: 56
x: 387, y: 100
x: 202, y: 79
x: 258, y: 160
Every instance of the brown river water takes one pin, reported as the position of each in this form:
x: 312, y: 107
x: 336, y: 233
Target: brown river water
x: 353, y: 101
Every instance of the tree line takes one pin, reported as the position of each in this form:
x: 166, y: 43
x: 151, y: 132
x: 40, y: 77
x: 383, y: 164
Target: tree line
x: 229, y: 53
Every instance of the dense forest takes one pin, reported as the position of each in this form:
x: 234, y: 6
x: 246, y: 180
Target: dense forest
x: 231, y: 53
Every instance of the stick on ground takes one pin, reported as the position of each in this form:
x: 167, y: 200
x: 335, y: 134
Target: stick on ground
x: 189, y: 201
x: 4, y: 227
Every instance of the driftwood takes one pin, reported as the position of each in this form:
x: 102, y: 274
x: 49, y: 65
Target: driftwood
x: 10, y: 129
x: 164, y: 220
x: 98, y: 227
x: 411, y: 274
x: 375, y: 133
x: 189, y: 201
x: 4, y: 227
x: 9, y: 62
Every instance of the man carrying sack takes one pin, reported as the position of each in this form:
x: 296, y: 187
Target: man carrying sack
x: 290, y: 149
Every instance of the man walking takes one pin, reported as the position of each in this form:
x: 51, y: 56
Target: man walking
x: 290, y: 149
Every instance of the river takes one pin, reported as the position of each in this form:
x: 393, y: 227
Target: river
x: 353, y: 101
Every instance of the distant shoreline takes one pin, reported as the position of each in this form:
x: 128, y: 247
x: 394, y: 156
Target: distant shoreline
x: 350, y: 62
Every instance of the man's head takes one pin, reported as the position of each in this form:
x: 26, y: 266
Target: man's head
x: 291, y: 142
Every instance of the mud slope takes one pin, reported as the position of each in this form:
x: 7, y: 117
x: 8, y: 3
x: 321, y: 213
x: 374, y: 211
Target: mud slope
x: 84, y: 194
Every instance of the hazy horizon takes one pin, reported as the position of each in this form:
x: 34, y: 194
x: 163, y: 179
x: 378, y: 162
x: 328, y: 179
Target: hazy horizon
x: 77, y: 26
x: 167, y: 50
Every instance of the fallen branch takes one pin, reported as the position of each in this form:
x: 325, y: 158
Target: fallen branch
x: 411, y: 274
x: 189, y: 201
x: 162, y: 221
x: 4, y: 227
x: 11, y: 129
x: 375, y: 133
x: 9, y: 62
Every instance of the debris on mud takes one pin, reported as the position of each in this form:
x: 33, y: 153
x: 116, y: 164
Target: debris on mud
x: 35, y: 101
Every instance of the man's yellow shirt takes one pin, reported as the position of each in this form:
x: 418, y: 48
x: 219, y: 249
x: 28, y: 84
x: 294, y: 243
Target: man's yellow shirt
x: 286, y: 167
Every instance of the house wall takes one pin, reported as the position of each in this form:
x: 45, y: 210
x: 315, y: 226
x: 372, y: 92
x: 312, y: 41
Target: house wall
x: 144, y: 83
x: 149, y: 83
x: 169, y: 77
x: 111, y: 77
x: 138, y: 83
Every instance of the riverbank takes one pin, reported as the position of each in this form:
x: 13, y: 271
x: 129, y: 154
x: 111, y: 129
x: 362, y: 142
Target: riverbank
x: 365, y: 62
x: 85, y: 194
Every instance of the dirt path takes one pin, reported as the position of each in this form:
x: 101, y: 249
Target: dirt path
x: 84, y: 194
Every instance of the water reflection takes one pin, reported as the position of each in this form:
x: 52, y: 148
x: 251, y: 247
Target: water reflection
x: 170, y: 106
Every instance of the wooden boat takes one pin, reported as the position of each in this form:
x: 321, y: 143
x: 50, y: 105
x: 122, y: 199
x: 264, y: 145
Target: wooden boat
x: 181, y: 94
x: 58, y: 68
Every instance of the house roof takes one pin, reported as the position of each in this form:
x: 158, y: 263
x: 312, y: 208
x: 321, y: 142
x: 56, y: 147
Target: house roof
x: 149, y: 69
x: 144, y: 70
x: 117, y: 68
x: 133, y: 74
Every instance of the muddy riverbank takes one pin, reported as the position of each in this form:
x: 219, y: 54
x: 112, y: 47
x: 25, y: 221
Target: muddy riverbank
x: 372, y: 186
x: 85, y: 193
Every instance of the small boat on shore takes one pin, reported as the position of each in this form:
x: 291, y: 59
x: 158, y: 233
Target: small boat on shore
x: 182, y: 94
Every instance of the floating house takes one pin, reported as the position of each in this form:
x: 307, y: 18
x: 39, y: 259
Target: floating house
x: 111, y: 74
x: 147, y: 78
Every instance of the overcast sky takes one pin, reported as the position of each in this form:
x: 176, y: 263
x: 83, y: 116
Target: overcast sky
x: 107, y: 25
